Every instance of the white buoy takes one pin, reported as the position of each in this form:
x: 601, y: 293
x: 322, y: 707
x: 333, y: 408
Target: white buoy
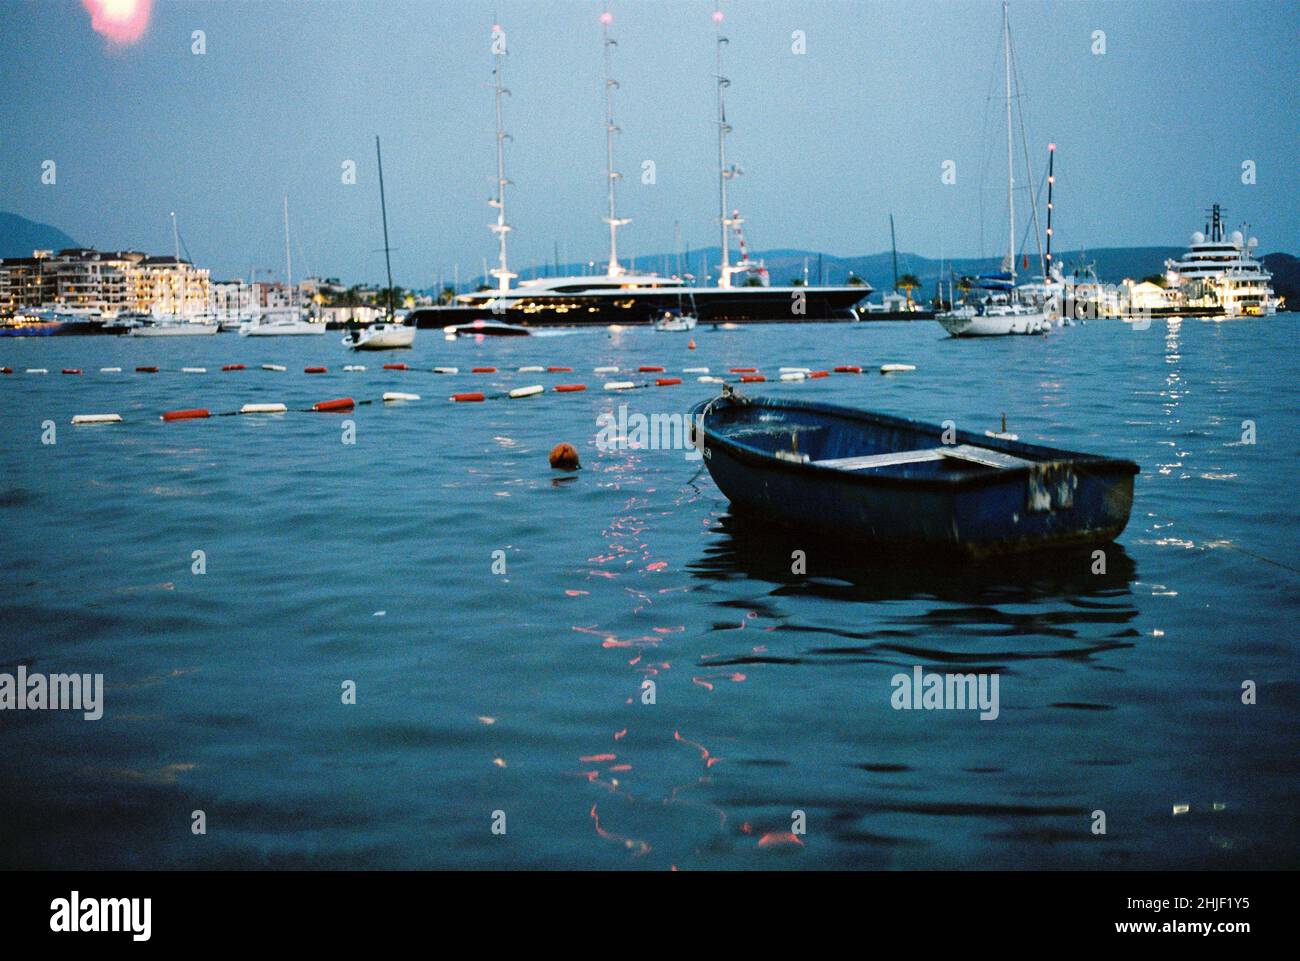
x: 263, y: 409
x: 531, y: 370
x: 37, y: 370
x: 354, y: 368
x: 110, y: 370
x: 393, y: 395
x: 530, y: 391
x: 97, y: 419
x: 711, y: 380
x: 272, y: 367
x: 794, y: 375
x: 194, y: 370
x: 606, y: 370
x: 896, y: 368
x: 795, y: 370
x: 619, y: 385
x: 695, y: 370
x: 446, y: 370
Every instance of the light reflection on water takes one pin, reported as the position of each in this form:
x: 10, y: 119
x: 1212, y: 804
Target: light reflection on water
x: 523, y: 692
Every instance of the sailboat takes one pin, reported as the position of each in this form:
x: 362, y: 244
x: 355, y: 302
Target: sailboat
x: 178, y: 324
x: 998, y: 310
x: 390, y: 335
x: 282, y: 321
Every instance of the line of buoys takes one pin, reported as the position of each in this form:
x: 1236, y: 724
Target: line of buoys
x: 110, y: 370
x: 196, y: 413
x: 395, y: 395
x: 315, y: 370
x: 896, y: 368
x: 667, y: 381
x: 848, y: 369
x: 275, y: 367
x: 233, y: 367
x: 532, y: 390
x: 395, y: 367
x: 263, y: 409
x: 326, y: 406
x: 72, y: 370
x: 569, y: 388
x: 753, y: 379
x: 97, y: 418
x: 146, y: 370
x: 650, y: 369
x: 469, y: 397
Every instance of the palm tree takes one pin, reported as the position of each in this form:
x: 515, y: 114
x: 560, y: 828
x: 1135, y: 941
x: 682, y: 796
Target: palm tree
x: 908, y: 283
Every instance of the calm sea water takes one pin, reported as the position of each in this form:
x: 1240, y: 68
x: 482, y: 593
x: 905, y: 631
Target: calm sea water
x: 480, y: 692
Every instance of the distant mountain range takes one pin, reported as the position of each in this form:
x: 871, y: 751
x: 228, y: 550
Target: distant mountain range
x: 20, y: 236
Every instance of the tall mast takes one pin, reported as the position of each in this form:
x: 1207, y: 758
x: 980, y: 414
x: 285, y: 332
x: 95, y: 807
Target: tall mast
x: 611, y: 175
x: 288, y: 258
x: 502, y: 271
x: 383, y: 208
x: 180, y: 291
x: 724, y: 174
x: 1011, y: 176
x: 1051, y: 182
x: 893, y: 247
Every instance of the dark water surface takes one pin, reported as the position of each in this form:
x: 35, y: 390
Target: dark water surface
x: 521, y: 693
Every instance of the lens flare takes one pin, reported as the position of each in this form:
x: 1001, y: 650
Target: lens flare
x: 119, y: 21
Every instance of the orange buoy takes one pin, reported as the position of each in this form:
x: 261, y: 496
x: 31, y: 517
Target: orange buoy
x: 72, y: 370
x: 146, y: 370
x: 691, y: 345
x: 470, y: 397
x: 569, y: 388
x: 314, y: 370
x: 342, y: 403
x: 395, y: 367
x: 813, y: 375
x: 559, y: 370
x: 650, y: 369
x: 565, y: 457
x: 6, y: 370
x: 192, y: 414
x: 482, y: 370
x: 233, y: 367
x: 667, y: 381
x: 848, y: 369
x: 744, y: 370
x: 753, y: 379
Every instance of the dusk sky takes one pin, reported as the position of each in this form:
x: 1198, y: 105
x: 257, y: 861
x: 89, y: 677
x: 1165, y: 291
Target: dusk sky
x: 831, y: 141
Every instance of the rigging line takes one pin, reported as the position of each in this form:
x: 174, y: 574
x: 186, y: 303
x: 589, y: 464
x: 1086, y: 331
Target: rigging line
x: 1029, y: 168
x: 1222, y: 542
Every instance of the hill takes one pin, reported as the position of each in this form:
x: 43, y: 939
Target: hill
x: 20, y: 236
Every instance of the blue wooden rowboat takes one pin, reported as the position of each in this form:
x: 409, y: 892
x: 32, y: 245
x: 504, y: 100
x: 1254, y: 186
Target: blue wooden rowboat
x: 864, y: 477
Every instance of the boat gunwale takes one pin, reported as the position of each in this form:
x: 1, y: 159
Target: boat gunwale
x: 1084, y: 463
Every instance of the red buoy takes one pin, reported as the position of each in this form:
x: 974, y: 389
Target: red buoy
x: 470, y: 397
x: 848, y: 369
x: 753, y: 379
x: 342, y: 403
x: 72, y: 370
x: 395, y: 367
x: 667, y: 381
x: 565, y: 457
x: 6, y: 370
x: 650, y: 369
x: 482, y: 370
x: 146, y: 370
x: 744, y: 370
x: 569, y: 388
x: 559, y: 370
x: 813, y: 375
x: 233, y: 367
x: 314, y: 370
x: 192, y: 414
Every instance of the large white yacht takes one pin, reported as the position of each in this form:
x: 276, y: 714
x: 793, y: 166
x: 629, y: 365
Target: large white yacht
x: 1219, y: 271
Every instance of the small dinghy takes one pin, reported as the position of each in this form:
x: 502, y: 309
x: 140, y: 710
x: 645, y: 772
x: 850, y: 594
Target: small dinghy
x: 872, y: 478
